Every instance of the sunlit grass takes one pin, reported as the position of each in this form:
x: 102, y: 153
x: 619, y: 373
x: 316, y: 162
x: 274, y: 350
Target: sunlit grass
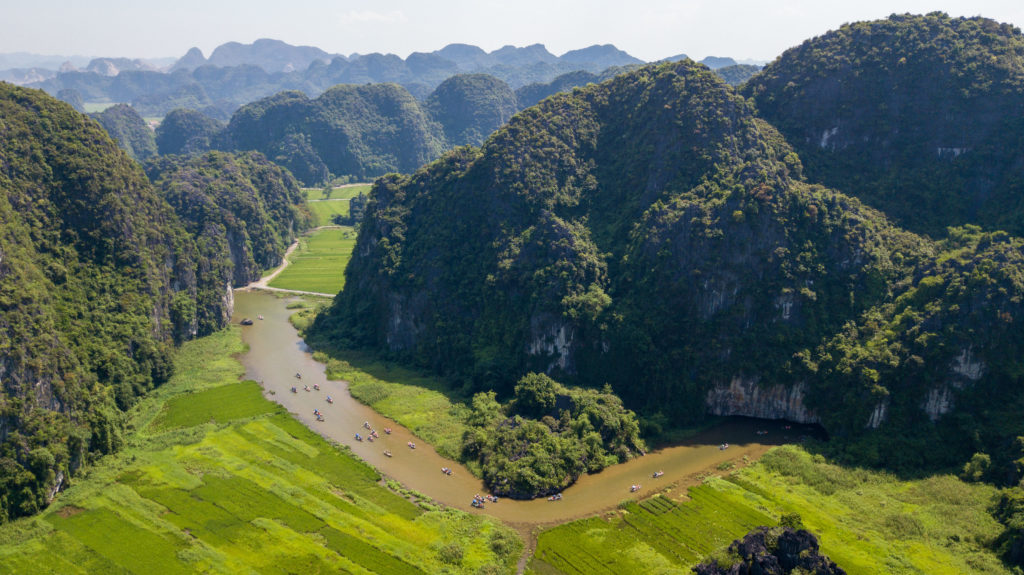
x: 866, y: 521
x: 213, y: 480
x: 318, y: 264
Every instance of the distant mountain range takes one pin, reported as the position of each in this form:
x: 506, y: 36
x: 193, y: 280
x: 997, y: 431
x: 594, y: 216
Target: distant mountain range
x: 235, y: 74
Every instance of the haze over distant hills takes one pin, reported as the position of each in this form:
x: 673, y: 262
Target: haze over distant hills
x: 235, y: 74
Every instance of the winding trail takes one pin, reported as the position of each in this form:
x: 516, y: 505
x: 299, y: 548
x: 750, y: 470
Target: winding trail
x: 264, y: 282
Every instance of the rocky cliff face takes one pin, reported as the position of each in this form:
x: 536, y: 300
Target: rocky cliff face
x: 744, y: 396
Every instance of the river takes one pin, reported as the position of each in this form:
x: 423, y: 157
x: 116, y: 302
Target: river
x: 277, y: 353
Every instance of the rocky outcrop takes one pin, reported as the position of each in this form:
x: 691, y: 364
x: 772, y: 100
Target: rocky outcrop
x: 967, y: 365
x: 554, y: 340
x: 772, y: 551
x: 878, y: 415
x: 745, y: 396
x: 938, y: 402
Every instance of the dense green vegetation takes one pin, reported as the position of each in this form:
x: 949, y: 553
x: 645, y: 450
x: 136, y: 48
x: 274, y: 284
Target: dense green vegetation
x: 867, y: 522
x: 362, y: 131
x: 738, y: 74
x: 547, y: 436
x: 317, y: 264
x: 186, y: 132
x: 130, y: 131
x: 98, y: 279
x: 239, y: 204
x: 541, y: 252
x: 218, y: 479
x: 471, y: 106
x: 916, y: 115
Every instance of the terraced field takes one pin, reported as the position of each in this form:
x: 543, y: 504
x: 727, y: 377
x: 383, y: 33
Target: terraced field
x: 657, y: 535
x: 217, y: 479
x: 867, y: 522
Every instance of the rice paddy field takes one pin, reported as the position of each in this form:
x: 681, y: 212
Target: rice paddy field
x: 867, y: 522
x: 214, y: 478
x: 324, y: 211
x: 340, y: 193
x: 318, y: 264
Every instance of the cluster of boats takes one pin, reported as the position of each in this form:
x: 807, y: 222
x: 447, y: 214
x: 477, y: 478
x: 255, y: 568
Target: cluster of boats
x: 478, y: 500
x: 555, y: 497
x: 370, y: 436
x: 447, y: 471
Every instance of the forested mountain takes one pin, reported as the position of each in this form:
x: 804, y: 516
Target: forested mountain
x: 184, y: 131
x: 129, y: 130
x: 738, y: 74
x: 242, y: 205
x: 339, y: 137
x: 471, y: 106
x: 362, y: 131
x: 365, y: 131
x: 920, y: 116
x: 652, y: 233
x: 98, y: 279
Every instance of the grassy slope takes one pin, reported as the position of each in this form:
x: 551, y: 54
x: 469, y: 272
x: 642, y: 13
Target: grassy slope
x: 218, y: 479
x: 867, y: 522
x: 420, y: 402
x: 318, y: 264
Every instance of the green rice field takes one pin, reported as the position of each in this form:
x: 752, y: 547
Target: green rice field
x: 324, y: 211
x: 867, y: 522
x: 318, y: 264
x: 211, y: 480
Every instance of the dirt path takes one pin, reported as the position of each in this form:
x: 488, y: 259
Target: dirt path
x: 264, y: 282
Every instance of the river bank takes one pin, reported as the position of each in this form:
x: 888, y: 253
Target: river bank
x: 277, y: 354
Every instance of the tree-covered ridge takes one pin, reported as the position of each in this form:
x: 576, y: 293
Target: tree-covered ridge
x: 243, y: 211
x: 358, y: 131
x: 98, y: 278
x: 652, y: 233
x: 130, y: 131
x: 184, y: 131
x: 919, y: 116
x: 471, y: 106
x: 365, y: 131
x: 89, y: 256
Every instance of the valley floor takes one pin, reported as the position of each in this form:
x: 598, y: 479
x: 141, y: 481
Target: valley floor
x: 217, y: 479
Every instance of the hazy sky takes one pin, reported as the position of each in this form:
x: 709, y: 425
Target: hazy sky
x: 647, y: 29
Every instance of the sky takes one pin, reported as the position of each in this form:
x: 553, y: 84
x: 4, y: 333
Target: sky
x: 647, y: 29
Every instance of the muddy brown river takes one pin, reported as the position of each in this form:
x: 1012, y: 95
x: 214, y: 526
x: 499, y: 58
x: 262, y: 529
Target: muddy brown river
x: 277, y: 353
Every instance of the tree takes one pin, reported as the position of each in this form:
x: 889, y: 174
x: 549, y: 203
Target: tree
x: 535, y: 395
